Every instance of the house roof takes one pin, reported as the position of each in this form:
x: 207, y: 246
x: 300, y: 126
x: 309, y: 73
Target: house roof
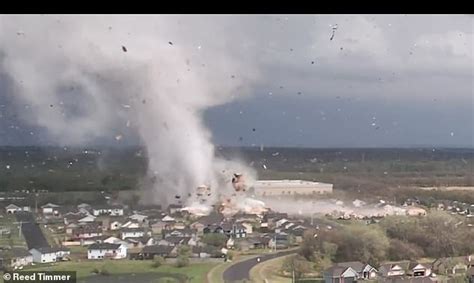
x: 116, y: 206
x: 12, y: 206
x: 49, y: 250
x: 212, y: 218
x: 50, y: 205
x: 158, y: 249
x: 177, y: 240
x: 142, y: 240
x: 132, y: 230
x: 414, y: 264
x: 104, y: 246
x: 335, y: 270
x: 356, y: 265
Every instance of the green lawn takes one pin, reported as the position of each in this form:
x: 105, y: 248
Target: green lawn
x: 196, y: 271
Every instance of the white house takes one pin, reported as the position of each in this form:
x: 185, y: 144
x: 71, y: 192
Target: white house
x: 115, y: 240
x: 131, y: 233
x: 114, y: 210
x: 106, y: 250
x: 138, y: 217
x: 43, y: 255
x: 50, y: 208
x: 11, y: 208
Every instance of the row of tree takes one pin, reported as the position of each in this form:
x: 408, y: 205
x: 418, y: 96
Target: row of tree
x: 394, y: 238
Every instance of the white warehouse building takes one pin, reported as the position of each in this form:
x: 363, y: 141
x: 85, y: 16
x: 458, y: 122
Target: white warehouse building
x: 290, y: 187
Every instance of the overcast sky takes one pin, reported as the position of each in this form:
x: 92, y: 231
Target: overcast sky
x: 389, y: 80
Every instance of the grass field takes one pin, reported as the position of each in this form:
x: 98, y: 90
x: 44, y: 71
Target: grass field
x: 195, y: 272
x: 7, y: 222
x: 268, y: 271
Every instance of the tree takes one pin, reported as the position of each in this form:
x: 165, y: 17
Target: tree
x: 296, y: 265
x: 215, y: 239
x: 400, y: 250
x: 184, y: 252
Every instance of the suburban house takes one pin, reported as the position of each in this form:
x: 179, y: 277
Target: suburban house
x: 131, y: 233
x: 131, y: 224
x: 416, y: 269
x: 11, y: 208
x: 140, y: 242
x: 138, y: 217
x: 158, y: 226
x: 86, y: 231
x: 174, y: 241
x: 115, y: 240
x: 452, y: 265
x: 15, y: 258
x: 204, y: 222
x: 340, y: 274
x: 180, y: 233
x: 106, y: 250
x: 235, y: 230
x: 50, y: 208
x: 113, y: 210
x: 391, y: 269
x: 278, y: 241
x: 47, y: 254
x: 364, y: 271
x: 149, y: 252
x: 87, y: 219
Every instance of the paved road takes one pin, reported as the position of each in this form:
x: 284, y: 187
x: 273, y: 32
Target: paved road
x: 31, y: 231
x: 241, y: 270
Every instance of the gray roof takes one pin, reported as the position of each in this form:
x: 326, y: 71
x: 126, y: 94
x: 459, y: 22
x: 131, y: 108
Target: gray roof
x: 103, y: 246
x: 356, y: 265
x: 335, y: 271
x: 157, y: 249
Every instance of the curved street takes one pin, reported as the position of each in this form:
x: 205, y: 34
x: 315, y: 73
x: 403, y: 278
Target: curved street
x: 240, y: 271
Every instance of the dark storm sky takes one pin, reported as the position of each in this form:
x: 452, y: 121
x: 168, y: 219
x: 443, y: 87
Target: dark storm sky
x: 383, y: 81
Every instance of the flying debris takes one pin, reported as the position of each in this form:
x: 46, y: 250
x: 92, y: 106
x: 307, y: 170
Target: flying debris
x: 118, y: 137
x: 334, y: 28
x: 20, y: 33
x: 128, y: 123
x: 144, y: 101
x: 170, y: 43
x: 124, y: 49
x: 452, y: 134
x: 8, y: 167
x: 177, y: 197
x: 51, y: 105
x: 253, y: 130
x: 312, y: 62
x: 275, y: 154
x: 264, y: 166
x: 125, y: 106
